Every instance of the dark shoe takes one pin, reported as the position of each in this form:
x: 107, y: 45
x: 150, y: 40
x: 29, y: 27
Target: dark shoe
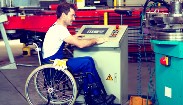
x: 103, y: 100
x: 110, y: 99
x: 97, y: 100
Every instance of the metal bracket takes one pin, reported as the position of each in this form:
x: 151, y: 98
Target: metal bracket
x: 12, y: 64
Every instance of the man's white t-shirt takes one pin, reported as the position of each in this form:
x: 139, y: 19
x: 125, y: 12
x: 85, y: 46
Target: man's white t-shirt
x: 54, y: 39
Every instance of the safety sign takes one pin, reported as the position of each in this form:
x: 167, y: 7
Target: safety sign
x: 109, y: 77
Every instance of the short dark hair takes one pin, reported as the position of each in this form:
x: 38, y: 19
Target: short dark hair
x: 64, y: 7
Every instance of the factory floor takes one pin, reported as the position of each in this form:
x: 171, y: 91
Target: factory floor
x: 12, y: 81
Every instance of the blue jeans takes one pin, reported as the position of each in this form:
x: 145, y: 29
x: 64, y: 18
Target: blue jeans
x: 86, y: 65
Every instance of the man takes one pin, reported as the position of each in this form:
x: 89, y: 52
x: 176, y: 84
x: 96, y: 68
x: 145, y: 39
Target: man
x: 54, y: 42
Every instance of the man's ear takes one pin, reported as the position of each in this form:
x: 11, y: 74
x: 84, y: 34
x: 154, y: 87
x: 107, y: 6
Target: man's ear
x: 63, y: 14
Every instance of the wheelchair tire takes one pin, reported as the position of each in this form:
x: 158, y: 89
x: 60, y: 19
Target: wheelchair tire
x: 45, y: 85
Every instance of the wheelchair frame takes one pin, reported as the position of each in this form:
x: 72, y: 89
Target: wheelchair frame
x: 52, y: 88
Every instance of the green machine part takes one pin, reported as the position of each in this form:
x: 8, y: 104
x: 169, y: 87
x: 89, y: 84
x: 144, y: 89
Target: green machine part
x: 169, y: 78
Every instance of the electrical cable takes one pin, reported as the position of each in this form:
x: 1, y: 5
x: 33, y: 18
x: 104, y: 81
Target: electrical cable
x: 141, y: 47
x: 139, y: 60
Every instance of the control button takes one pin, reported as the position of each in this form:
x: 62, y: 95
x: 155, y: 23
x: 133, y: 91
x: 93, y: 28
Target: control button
x: 165, y: 61
x: 117, y: 26
x: 112, y: 35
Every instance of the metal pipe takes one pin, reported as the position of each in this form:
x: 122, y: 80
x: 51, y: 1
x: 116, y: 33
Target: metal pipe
x: 124, y: 3
x: 119, y: 3
x: 6, y: 3
x: 176, y: 8
x: 115, y: 3
x: 3, y: 3
x: 10, y: 3
x: 105, y: 18
x: 10, y: 54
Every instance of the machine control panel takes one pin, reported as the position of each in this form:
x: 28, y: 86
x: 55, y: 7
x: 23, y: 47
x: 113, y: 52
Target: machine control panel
x: 114, y: 33
x: 113, y: 54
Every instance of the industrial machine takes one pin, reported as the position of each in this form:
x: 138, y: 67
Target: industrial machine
x: 167, y: 36
x: 29, y: 23
x: 111, y: 57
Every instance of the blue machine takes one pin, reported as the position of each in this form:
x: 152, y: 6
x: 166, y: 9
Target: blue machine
x: 169, y: 75
x: 167, y: 43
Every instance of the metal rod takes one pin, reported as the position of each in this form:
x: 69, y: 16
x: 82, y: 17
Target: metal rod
x: 10, y: 54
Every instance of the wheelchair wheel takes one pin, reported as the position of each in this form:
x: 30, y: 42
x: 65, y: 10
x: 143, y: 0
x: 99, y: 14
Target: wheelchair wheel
x: 45, y: 85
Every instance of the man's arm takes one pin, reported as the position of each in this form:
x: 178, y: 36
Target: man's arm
x: 81, y: 43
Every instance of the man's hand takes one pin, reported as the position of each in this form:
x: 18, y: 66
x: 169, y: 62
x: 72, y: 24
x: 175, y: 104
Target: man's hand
x: 101, y: 40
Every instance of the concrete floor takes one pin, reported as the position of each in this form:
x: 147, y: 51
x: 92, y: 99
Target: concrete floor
x: 12, y: 81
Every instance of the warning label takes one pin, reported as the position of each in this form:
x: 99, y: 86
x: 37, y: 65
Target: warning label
x: 109, y: 77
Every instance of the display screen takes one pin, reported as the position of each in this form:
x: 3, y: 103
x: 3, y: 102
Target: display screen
x: 95, y: 31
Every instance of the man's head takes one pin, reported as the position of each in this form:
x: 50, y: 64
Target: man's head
x: 66, y: 12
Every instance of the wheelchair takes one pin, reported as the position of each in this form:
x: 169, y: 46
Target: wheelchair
x: 48, y: 86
